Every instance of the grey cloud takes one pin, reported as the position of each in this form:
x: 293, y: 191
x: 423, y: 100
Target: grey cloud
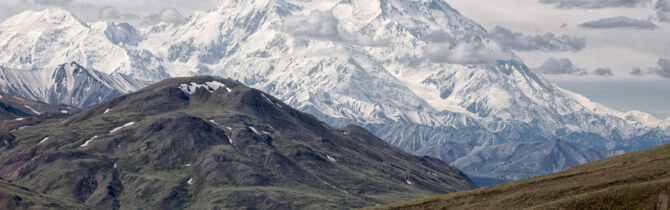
x: 546, y: 42
x: 638, y: 72
x: 663, y: 68
x: 559, y: 66
x: 603, y: 72
x: 663, y: 10
x: 564, y: 25
x: 595, y: 4
x: 510, y: 40
x: 619, y: 22
x: 110, y: 12
x: 317, y: 25
x: 169, y: 15
x: 462, y: 53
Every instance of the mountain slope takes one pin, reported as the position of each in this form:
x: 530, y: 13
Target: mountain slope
x: 416, y: 73
x: 18, y: 113
x: 15, y: 197
x: 512, y: 161
x: 204, y: 143
x: 69, y: 84
x: 638, y: 180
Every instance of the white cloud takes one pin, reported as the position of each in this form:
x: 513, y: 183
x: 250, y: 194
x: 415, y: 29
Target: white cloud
x: 462, y: 53
x: 320, y: 25
x: 110, y: 12
x: 169, y: 15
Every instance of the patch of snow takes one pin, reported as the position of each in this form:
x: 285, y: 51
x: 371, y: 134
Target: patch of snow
x: 268, y: 99
x: 43, y: 140
x: 229, y: 128
x: 33, y: 110
x: 121, y: 127
x: 115, y: 165
x: 212, y: 121
x: 20, y: 119
x: 254, y: 130
x: 188, y: 165
x: 64, y: 111
x: 190, y: 181
x: 106, y: 110
x: 408, y: 182
x: 209, y: 86
x: 88, y: 141
x: 0, y: 96
x: 331, y: 159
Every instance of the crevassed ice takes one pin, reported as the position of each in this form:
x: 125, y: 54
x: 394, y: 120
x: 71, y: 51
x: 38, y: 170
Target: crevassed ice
x: 209, y: 86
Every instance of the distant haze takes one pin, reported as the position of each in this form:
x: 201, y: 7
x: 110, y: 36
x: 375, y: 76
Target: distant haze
x: 652, y: 97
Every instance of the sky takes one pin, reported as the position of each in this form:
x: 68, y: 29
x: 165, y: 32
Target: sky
x: 616, y: 52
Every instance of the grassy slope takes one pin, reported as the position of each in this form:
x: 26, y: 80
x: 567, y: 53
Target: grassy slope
x: 639, y: 180
x: 15, y: 197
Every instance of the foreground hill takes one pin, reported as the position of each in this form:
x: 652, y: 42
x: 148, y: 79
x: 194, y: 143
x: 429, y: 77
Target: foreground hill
x: 207, y: 143
x: 639, y: 180
x: 16, y: 197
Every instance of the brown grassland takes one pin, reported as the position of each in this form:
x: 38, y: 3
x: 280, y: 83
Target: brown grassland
x: 639, y: 180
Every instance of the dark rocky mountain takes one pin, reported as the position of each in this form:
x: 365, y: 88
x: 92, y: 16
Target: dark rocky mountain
x: 208, y: 143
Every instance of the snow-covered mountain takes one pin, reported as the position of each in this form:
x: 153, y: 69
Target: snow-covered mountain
x: 515, y: 160
x: 67, y: 84
x: 415, y: 72
x: 36, y: 40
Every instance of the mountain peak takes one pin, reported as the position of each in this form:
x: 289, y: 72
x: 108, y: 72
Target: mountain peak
x: 52, y: 17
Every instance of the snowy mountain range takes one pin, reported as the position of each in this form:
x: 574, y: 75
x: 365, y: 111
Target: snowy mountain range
x: 68, y: 84
x: 414, y: 72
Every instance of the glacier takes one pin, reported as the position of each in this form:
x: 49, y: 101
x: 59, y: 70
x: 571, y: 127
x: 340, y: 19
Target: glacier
x: 416, y: 73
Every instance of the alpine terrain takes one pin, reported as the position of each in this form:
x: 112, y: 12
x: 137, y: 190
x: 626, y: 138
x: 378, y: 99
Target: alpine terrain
x: 209, y: 143
x: 416, y: 73
x: 69, y: 84
x: 636, y: 180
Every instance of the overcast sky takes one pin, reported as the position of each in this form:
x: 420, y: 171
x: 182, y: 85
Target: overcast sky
x: 622, y: 43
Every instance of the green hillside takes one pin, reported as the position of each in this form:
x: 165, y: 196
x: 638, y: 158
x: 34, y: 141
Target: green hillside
x: 639, y: 180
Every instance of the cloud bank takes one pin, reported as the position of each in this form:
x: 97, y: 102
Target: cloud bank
x: 595, y: 4
x: 545, y: 42
x: 662, y: 69
x: 619, y: 22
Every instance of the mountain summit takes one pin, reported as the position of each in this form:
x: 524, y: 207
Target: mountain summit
x: 417, y: 73
x: 206, y: 143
